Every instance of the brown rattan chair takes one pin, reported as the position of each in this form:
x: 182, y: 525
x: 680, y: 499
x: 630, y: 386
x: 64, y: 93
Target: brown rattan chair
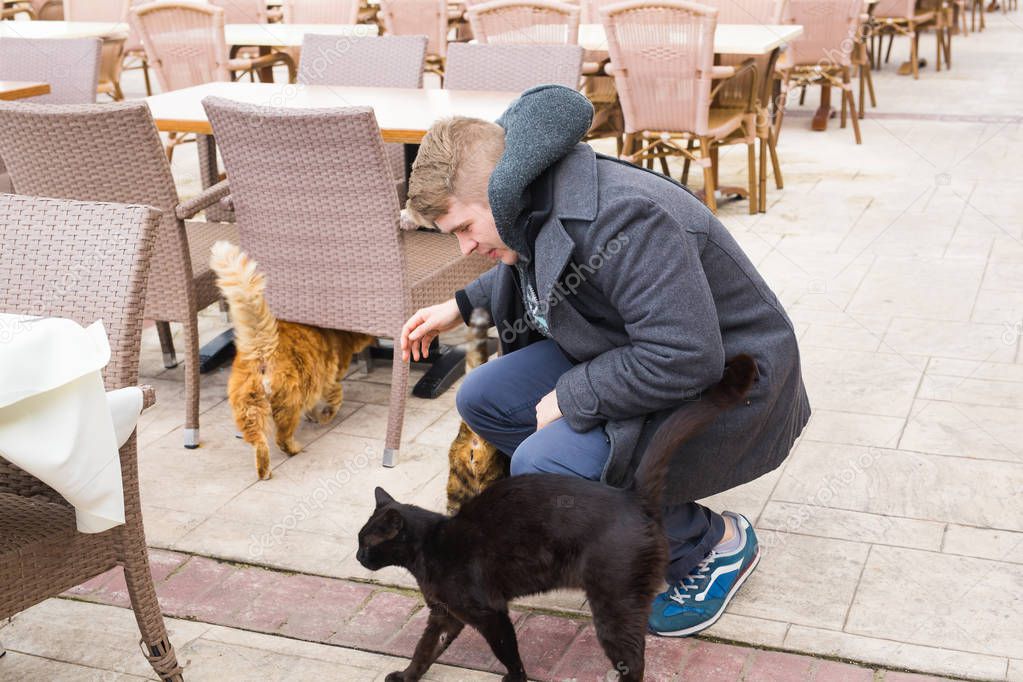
x: 366, y: 61
x: 420, y: 17
x: 112, y: 59
x: 524, y: 21
x: 186, y: 46
x: 328, y: 236
x: 87, y: 262
x: 321, y: 11
x: 512, y: 68
x: 112, y: 152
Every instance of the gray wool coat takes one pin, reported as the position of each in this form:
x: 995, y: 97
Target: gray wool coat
x: 649, y: 294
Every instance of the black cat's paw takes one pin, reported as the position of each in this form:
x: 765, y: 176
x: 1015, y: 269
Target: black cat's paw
x: 514, y: 677
x: 396, y: 676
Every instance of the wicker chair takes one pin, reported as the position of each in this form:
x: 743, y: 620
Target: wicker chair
x: 328, y: 237
x: 185, y: 45
x: 672, y: 42
x: 71, y: 67
x: 416, y: 18
x: 112, y: 11
x: 524, y: 21
x: 735, y: 92
x: 513, y: 68
x: 909, y: 18
x: 368, y: 61
x: 321, y: 11
x: 48, y: 10
x: 112, y: 152
x: 135, y: 52
x: 108, y: 249
x: 823, y: 54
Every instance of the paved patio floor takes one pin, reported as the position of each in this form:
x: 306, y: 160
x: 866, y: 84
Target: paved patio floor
x: 893, y: 534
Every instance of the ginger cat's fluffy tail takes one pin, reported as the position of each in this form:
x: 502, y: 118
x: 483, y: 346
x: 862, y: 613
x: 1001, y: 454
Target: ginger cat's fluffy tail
x: 255, y: 327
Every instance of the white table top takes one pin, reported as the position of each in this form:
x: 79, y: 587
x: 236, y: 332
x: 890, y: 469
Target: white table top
x: 63, y: 29
x: 403, y: 114
x: 745, y: 39
x: 290, y: 35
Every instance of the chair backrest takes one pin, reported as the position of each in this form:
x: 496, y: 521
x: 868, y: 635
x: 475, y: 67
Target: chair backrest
x: 416, y: 18
x: 328, y: 236
x: 321, y: 11
x: 513, y: 68
x: 70, y: 66
x: 829, y: 31
x: 48, y: 10
x: 184, y: 42
x: 735, y: 92
x: 243, y: 11
x: 134, y: 41
x: 663, y: 55
x: 100, y: 152
x: 81, y: 260
x: 367, y: 61
x: 524, y: 21
x: 900, y: 9
x: 96, y: 10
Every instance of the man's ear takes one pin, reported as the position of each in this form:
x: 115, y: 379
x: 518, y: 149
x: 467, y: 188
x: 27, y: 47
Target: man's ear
x: 391, y: 523
x: 382, y: 497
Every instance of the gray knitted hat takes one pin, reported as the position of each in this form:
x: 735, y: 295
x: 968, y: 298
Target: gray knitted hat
x: 540, y: 127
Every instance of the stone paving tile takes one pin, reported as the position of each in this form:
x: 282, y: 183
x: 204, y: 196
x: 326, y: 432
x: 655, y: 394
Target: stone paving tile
x: 774, y: 666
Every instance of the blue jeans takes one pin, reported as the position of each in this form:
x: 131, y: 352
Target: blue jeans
x: 498, y: 400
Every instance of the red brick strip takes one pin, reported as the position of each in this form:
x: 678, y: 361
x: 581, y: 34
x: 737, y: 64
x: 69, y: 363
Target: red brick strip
x: 372, y: 618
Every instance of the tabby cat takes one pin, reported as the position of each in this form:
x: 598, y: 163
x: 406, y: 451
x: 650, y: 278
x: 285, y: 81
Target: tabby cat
x: 474, y: 464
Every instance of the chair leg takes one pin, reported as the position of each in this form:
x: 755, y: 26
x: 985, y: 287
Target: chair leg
x: 915, y: 52
x: 191, y: 383
x: 709, y: 187
x: 751, y: 170
x: 686, y: 162
x: 664, y: 166
x: 852, y: 106
x: 163, y: 331
x: 762, y: 174
x: 156, y: 646
x: 396, y: 410
x: 772, y: 146
x: 870, y: 89
x: 145, y: 75
x: 366, y: 361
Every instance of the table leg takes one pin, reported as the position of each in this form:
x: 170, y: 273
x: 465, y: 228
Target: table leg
x: 266, y: 74
x: 823, y: 113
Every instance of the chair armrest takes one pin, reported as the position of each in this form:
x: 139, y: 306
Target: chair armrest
x: 718, y: 72
x: 148, y: 396
x: 205, y: 199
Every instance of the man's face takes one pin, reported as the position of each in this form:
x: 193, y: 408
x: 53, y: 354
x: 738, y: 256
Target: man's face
x: 473, y: 224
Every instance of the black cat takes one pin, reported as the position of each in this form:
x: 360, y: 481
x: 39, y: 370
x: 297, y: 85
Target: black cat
x: 538, y: 532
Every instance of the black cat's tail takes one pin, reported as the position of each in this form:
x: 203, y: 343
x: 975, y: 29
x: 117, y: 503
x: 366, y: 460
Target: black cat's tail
x: 686, y: 422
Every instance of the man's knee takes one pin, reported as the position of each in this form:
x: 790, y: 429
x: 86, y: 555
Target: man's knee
x: 532, y: 457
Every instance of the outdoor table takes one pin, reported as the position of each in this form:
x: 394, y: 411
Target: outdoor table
x: 56, y: 420
x: 20, y: 89
x: 742, y: 39
x: 106, y: 30
x: 289, y: 35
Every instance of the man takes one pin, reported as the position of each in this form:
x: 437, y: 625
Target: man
x: 618, y: 296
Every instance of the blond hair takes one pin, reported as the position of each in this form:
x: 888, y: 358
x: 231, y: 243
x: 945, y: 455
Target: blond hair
x: 456, y: 157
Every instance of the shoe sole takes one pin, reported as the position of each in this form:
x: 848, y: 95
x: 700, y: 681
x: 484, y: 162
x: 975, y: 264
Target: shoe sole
x: 728, y: 598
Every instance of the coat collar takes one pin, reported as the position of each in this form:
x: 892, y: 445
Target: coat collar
x: 575, y: 198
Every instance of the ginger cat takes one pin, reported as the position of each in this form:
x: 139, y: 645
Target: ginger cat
x: 282, y: 370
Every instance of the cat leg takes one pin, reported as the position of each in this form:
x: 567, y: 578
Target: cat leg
x: 497, y: 629
x: 332, y: 397
x: 441, y: 630
x: 621, y: 626
x: 252, y: 416
x: 286, y: 417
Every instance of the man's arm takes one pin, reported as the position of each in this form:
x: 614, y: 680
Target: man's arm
x: 657, y: 285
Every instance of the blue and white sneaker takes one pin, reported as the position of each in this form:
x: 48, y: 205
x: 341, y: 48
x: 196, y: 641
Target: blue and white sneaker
x: 698, y: 600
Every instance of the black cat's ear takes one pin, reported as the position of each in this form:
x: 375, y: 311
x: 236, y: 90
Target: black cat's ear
x: 391, y: 523
x: 382, y: 497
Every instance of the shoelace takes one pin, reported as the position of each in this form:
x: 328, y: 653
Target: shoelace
x: 693, y: 580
